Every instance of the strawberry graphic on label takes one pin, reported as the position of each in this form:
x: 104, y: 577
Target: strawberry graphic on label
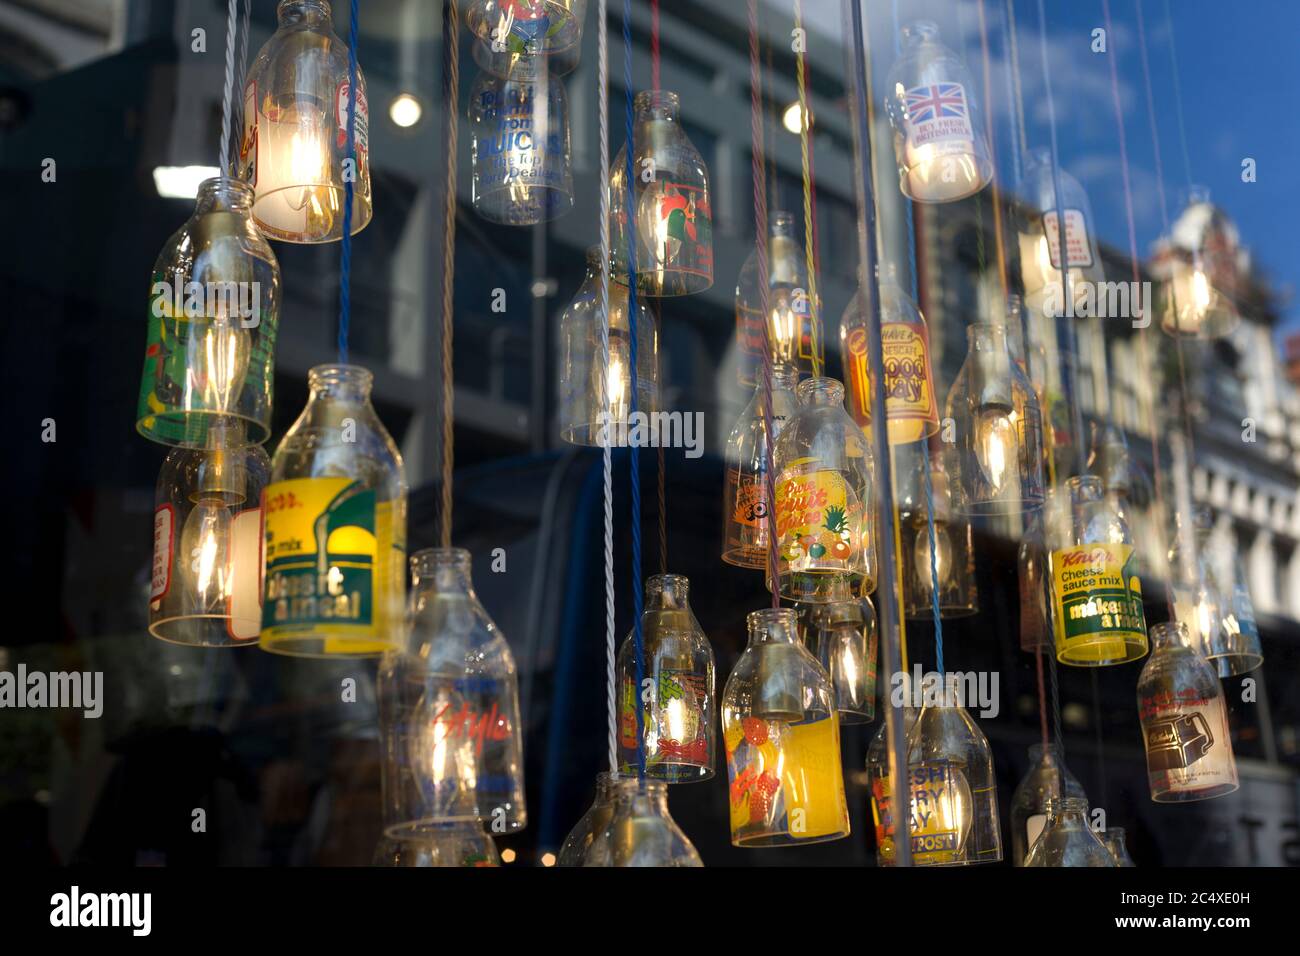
x: 755, y: 730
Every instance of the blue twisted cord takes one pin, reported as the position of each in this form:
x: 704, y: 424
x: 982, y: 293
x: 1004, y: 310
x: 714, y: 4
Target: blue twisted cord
x: 345, y: 253
x: 638, y: 637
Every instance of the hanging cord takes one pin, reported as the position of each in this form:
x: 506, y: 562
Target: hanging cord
x: 991, y: 134
x: 1015, y: 94
x: 927, y: 480
x: 660, y: 474
x: 1042, y: 695
x: 611, y: 648
x: 451, y: 30
x: 224, y: 156
x: 345, y: 253
x: 809, y: 193
x: 758, y: 168
x: 654, y: 44
x: 1133, y: 249
x: 637, y: 597
x: 231, y: 166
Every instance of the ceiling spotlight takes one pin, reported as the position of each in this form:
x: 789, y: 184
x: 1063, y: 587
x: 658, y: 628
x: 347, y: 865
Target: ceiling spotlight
x: 405, y: 110
x: 792, y: 119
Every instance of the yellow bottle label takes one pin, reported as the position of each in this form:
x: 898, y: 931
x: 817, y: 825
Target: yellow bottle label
x: 817, y: 520
x: 939, y: 815
x: 905, y: 351
x: 332, y: 565
x: 813, y: 780
x: 1098, y: 603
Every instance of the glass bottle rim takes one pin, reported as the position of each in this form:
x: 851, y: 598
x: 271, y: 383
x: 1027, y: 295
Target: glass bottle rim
x: 821, y: 385
x: 1064, y: 804
x: 1168, y: 632
x: 235, y: 191
x: 662, y: 582
x: 286, y: 8
x: 666, y: 100
x: 337, y: 373
x: 427, y: 561
x: 767, y: 616
x: 631, y: 785
x: 781, y: 217
x: 983, y: 327
x: 919, y: 31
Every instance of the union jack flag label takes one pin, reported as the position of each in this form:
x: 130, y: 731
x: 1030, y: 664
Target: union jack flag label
x: 936, y: 113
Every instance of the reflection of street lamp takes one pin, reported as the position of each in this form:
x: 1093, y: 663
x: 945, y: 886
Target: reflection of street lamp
x: 405, y: 110
x: 793, y: 119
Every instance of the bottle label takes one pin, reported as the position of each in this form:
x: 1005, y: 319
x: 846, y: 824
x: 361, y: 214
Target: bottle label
x: 939, y: 817
x: 1187, y: 742
x: 327, y: 547
x: 785, y: 779
x: 517, y: 146
x: 164, y: 543
x: 938, y: 118
x: 1098, y: 602
x: 1033, y: 827
x: 676, y: 225
x: 676, y: 723
x: 361, y: 130
x: 909, y: 393
x: 247, y: 162
x: 1077, y: 245
x: 247, y: 537
x: 817, y: 521
x: 750, y: 510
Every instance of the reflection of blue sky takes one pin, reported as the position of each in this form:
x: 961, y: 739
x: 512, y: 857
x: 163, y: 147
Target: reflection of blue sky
x: 1236, y: 68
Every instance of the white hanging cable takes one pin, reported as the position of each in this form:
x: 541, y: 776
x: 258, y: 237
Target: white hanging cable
x: 223, y: 158
x: 611, y: 689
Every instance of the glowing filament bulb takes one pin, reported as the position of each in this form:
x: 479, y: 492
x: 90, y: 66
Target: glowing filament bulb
x: 996, y: 446
x: 1201, y: 295
x: 943, y: 556
x: 205, y: 550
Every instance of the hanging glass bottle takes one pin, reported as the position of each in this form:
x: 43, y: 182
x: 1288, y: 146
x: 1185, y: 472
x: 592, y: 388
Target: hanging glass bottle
x: 205, y: 587
x: 1041, y: 262
x: 1113, y: 839
x: 882, y: 795
x: 673, y: 210
x: 843, y: 637
x: 785, y: 780
x: 1211, y: 598
x: 214, y: 312
x: 576, y: 846
x: 938, y: 126
x: 1184, y: 721
x: 793, y: 321
x: 509, y: 30
x: 953, y: 564
x: 1108, y: 459
x: 1067, y: 839
x: 676, y: 691
x: 744, y: 495
x: 449, y: 709
x: 1096, y: 591
x: 953, y: 819
x: 591, y: 393
x: 824, y: 504
x: 295, y: 145
x: 450, y: 844
x: 519, y: 129
x: 1048, y: 778
x: 335, y: 526
x: 1199, y: 263
x: 912, y: 407
x: 996, y: 461
x: 640, y: 832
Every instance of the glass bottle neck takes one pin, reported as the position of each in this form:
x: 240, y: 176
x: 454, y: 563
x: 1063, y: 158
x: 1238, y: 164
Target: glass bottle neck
x: 821, y: 391
x: 340, y: 383
x: 785, y: 377
x: 772, y: 626
x: 442, y: 570
x: 667, y: 591
x: 656, y: 105
x: 222, y: 194
x: 291, y: 13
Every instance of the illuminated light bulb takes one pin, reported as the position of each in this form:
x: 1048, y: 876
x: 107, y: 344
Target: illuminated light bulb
x: 793, y: 119
x: 843, y: 636
x: 939, y: 140
x: 791, y: 326
x: 206, y: 555
x: 405, y: 110
x: 996, y: 446
x: 1200, y: 260
x: 943, y: 557
x: 294, y: 149
x: 218, y: 362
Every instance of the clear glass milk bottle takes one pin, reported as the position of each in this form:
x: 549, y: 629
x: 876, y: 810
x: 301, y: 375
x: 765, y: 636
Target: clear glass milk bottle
x: 1048, y: 777
x: 1067, y: 839
x: 449, y: 709
x: 675, y: 697
x: 745, y: 493
x: 793, y: 324
x: 1096, y: 592
x: 824, y: 499
x: 335, y: 526
x: 1184, y: 721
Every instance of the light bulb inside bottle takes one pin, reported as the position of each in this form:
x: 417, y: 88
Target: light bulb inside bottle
x: 996, y: 446
x: 206, y: 545
x: 1201, y: 294
x: 217, y: 362
x: 942, y: 552
x: 783, y: 326
x: 617, y: 382
x: 440, y: 754
x: 664, y: 221
x: 942, y: 811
